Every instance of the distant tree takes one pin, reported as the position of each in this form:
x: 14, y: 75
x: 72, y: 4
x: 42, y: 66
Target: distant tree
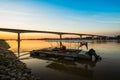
x: 118, y: 37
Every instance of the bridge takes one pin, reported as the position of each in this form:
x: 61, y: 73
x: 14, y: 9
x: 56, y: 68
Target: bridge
x: 19, y: 31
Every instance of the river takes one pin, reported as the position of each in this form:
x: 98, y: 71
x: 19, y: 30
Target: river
x: 106, y: 69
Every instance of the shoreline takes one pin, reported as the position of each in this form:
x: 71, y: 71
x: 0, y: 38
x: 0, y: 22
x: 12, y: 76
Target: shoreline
x: 11, y: 68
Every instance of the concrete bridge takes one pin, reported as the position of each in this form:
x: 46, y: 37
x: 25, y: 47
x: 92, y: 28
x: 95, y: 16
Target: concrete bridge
x: 19, y: 31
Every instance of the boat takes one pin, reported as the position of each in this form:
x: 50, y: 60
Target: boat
x: 69, y: 54
x: 63, y: 53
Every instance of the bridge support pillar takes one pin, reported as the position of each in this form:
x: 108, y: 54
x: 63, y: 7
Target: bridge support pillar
x: 60, y: 41
x: 18, y: 40
x: 92, y: 37
x: 100, y: 38
x: 107, y: 38
x: 80, y: 37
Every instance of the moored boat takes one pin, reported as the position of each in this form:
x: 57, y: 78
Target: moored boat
x: 68, y: 54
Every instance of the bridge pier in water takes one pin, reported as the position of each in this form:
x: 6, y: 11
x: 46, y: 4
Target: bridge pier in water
x: 18, y: 40
x: 107, y: 38
x: 60, y: 39
x: 93, y: 37
x: 80, y: 37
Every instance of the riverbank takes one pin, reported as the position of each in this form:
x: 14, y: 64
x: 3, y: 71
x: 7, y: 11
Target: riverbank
x: 11, y: 68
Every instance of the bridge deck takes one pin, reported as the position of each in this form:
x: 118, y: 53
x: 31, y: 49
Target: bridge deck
x: 37, y: 31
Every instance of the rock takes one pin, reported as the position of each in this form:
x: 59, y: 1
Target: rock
x: 25, y: 74
x: 4, y: 45
x: 37, y: 78
x: 10, y: 55
x: 6, y: 78
x: 2, y: 72
x: 23, y: 78
x: 1, y: 76
x: 12, y: 74
x: 4, y: 62
x: 19, y: 74
x: 2, y: 67
x: 20, y: 65
x: 11, y: 68
x: 13, y: 79
x: 28, y: 71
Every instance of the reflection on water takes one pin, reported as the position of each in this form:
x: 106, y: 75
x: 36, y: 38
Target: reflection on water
x: 27, y: 45
x: 107, y: 69
x: 83, y: 72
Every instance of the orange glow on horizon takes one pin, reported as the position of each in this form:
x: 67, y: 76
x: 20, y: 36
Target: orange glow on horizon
x: 8, y: 35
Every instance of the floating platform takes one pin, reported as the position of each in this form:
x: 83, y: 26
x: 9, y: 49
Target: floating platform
x: 68, y: 54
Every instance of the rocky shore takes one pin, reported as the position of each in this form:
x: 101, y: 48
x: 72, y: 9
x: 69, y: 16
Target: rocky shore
x: 11, y: 68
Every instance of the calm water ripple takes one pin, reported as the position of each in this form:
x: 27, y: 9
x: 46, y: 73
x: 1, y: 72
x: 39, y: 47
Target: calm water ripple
x: 107, y: 69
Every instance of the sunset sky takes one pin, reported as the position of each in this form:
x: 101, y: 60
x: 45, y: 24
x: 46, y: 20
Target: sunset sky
x: 79, y: 16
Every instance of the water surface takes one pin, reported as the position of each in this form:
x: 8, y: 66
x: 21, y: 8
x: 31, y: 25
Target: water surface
x: 106, y: 69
